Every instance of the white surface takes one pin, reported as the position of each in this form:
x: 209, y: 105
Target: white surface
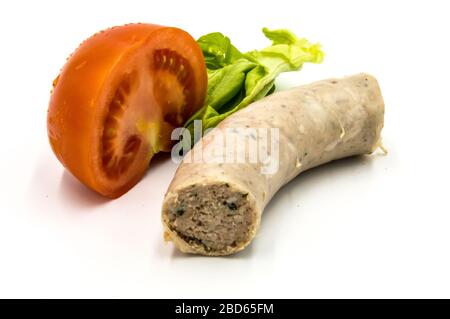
x: 372, y: 227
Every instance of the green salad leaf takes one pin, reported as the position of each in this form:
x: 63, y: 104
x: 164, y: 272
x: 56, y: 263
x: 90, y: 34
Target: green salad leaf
x: 237, y: 79
x: 218, y: 50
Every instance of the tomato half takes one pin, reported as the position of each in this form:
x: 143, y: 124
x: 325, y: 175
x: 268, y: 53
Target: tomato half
x: 117, y: 100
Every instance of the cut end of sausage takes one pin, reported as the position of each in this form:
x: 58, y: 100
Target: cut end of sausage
x: 210, y: 219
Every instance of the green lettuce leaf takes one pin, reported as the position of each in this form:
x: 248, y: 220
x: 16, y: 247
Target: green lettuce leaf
x: 218, y: 50
x: 237, y: 79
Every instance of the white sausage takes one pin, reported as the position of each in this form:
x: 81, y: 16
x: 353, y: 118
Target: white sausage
x: 215, y: 209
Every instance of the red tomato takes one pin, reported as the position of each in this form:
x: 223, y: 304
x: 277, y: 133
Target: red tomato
x: 117, y: 100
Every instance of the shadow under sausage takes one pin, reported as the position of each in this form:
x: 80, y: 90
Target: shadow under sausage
x: 243, y: 254
x: 306, y: 181
x: 315, y: 175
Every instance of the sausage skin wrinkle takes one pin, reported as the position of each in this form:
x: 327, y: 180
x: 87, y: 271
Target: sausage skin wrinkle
x: 214, y: 208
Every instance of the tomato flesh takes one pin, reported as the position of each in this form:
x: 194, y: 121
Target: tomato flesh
x: 119, y: 147
x: 117, y: 100
x: 171, y: 67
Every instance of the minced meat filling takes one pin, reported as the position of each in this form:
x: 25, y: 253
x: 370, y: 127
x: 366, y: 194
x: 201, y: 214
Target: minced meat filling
x: 213, y: 216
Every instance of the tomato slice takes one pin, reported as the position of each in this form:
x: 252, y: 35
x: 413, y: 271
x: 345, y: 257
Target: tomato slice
x: 117, y: 100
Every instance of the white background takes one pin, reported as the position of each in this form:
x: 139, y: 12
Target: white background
x: 364, y: 227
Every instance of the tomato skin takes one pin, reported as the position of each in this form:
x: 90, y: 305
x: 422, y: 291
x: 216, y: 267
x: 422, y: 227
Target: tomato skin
x: 82, y: 91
